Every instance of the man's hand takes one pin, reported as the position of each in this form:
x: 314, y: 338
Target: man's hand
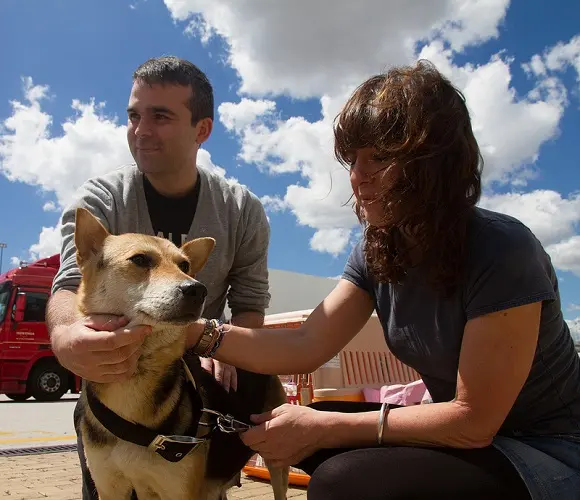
x: 225, y: 374
x: 98, y: 348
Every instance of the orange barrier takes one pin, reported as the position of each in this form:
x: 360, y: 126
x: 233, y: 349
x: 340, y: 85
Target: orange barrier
x: 294, y: 478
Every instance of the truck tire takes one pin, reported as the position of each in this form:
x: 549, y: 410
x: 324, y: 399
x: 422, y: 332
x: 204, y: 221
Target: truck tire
x: 48, y: 381
x: 18, y: 397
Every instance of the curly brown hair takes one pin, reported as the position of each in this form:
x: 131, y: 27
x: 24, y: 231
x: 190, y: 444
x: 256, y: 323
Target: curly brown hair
x: 417, y: 120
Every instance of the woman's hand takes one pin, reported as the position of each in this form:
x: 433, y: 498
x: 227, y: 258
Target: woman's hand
x: 286, y: 435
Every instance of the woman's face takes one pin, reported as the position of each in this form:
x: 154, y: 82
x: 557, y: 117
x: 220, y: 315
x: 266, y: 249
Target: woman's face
x: 370, y: 176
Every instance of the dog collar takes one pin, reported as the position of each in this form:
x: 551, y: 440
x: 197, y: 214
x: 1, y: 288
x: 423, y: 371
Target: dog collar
x: 171, y: 447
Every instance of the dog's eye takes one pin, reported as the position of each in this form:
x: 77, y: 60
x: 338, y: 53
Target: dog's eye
x: 141, y: 260
x: 184, y: 266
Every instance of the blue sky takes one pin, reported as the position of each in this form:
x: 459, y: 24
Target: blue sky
x: 280, y: 74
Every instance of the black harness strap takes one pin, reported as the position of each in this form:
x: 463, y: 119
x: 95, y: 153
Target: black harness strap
x: 173, y: 448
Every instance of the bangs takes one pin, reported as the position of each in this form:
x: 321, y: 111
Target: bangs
x: 357, y: 125
x: 369, y: 119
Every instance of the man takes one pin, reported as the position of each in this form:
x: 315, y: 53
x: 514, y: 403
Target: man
x: 170, y: 114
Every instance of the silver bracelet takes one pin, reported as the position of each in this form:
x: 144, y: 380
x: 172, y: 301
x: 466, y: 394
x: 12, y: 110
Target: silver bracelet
x: 385, y: 408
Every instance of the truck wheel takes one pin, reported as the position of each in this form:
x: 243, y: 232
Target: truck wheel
x: 18, y: 397
x: 48, y: 381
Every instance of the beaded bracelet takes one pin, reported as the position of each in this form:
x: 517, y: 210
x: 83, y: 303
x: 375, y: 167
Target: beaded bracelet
x: 206, y: 338
x: 210, y: 339
x: 221, y: 332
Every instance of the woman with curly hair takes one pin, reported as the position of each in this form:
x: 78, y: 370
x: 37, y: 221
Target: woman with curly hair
x: 466, y: 296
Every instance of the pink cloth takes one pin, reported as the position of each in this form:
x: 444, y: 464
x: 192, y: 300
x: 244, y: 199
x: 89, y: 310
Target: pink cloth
x: 399, y: 394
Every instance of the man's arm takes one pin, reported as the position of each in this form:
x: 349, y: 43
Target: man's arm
x: 61, y: 310
x: 99, y: 202
x: 248, y: 319
x: 248, y: 295
x: 248, y: 278
x: 96, y: 348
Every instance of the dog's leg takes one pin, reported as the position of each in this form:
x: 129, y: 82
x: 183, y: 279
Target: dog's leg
x: 110, y: 482
x: 279, y: 481
x: 235, y: 481
x: 145, y: 492
x: 111, y: 485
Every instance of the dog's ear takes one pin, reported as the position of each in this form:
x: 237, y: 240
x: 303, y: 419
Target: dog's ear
x: 198, y: 251
x: 90, y: 235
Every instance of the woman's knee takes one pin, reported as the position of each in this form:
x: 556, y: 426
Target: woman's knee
x: 336, y: 478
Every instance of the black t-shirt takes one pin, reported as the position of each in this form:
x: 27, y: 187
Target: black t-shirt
x: 507, y: 267
x: 171, y: 218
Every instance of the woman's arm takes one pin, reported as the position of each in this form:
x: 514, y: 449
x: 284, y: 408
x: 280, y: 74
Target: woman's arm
x: 336, y: 320
x: 495, y: 360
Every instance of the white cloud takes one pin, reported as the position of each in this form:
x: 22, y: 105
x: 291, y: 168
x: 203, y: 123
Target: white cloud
x: 566, y: 254
x: 556, y: 59
x: 551, y: 217
x: 49, y: 206
x: 89, y: 143
x: 509, y: 128
x: 332, y: 241
x: 48, y: 243
x: 299, y: 146
x: 574, y: 307
x: 273, y: 203
x: 307, y: 49
x: 240, y: 115
x: 337, y: 47
x: 574, y: 325
x: 473, y: 21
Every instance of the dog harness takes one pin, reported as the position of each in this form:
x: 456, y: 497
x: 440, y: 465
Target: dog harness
x: 171, y: 447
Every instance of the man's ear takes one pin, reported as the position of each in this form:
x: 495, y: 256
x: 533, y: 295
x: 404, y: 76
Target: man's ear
x: 198, y: 251
x: 203, y: 130
x: 90, y: 235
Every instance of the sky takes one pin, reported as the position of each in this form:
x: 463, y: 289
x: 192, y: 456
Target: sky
x: 281, y: 71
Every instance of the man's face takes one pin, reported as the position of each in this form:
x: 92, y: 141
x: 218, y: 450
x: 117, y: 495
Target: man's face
x: 161, y: 136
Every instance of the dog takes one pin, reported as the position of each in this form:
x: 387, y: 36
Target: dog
x: 169, y: 432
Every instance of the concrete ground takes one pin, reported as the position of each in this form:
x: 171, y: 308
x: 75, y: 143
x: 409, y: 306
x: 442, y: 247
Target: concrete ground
x: 56, y: 476
x: 32, y: 423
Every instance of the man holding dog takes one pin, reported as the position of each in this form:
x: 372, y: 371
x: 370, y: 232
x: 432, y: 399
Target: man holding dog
x: 170, y: 114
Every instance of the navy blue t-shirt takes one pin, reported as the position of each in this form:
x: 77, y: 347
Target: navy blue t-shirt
x: 506, y: 267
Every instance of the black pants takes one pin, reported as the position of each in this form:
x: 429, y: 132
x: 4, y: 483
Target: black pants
x: 397, y: 472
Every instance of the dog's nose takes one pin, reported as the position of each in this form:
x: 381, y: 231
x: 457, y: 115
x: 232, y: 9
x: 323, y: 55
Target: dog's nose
x: 191, y: 288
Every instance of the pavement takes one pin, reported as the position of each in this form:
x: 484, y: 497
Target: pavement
x: 35, y: 423
x: 57, y: 476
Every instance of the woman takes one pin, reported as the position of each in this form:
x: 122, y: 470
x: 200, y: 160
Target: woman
x: 466, y: 296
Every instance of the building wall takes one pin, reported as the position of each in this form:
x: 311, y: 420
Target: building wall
x: 295, y: 291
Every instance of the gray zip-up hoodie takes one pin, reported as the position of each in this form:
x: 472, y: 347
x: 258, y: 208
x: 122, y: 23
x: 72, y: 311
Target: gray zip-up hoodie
x: 237, y: 270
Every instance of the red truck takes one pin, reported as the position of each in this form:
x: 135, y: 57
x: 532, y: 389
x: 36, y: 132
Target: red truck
x: 28, y: 367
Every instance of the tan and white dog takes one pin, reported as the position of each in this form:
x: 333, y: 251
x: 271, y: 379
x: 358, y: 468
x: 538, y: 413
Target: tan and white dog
x: 156, y: 434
